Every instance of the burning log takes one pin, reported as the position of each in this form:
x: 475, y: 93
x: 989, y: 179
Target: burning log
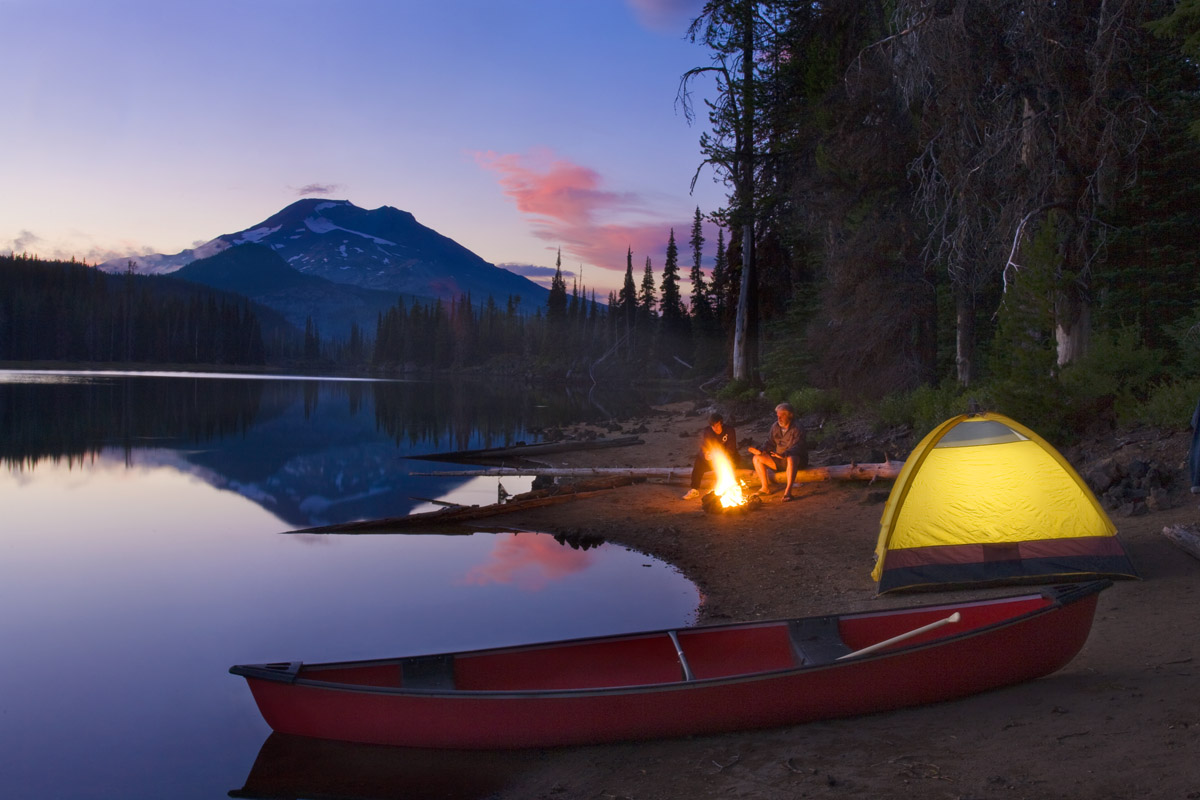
x: 712, y: 503
x: 728, y: 493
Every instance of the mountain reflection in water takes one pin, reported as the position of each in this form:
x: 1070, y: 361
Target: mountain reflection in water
x: 142, y: 546
x: 312, y: 452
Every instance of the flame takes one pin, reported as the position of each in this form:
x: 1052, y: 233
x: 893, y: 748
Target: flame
x: 727, y: 487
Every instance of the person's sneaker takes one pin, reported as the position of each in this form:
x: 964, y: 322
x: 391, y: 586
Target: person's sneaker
x: 692, y: 494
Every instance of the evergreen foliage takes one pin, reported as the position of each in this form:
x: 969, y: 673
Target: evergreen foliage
x: 67, y: 311
x: 931, y: 203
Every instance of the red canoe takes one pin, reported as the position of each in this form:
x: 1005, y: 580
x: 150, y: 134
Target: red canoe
x: 697, y: 680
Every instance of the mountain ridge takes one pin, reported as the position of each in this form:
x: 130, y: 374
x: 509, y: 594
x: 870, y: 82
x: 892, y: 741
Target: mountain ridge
x: 380, y: 250
x: 257, y: 272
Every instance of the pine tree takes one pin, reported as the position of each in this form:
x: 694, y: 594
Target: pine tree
x: 312, y: 340
x: 627, y: 302
x: 671, y: 303
x: 556, y: 303
x: 675, y: 326
x: 701, y: 306
x: 646, y: 298
x: 722, y: 287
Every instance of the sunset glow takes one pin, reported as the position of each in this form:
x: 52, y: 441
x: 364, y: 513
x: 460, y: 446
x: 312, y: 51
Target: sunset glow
x: 528, y: 562
x: 514, y: 151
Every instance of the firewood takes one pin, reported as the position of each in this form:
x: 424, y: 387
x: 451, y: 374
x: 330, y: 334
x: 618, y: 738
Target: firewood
x: 1186, y: 537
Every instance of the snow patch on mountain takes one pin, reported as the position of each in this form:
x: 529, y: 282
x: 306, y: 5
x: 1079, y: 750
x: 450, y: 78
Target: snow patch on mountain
x: 256, y: 235
x: 323, y: 225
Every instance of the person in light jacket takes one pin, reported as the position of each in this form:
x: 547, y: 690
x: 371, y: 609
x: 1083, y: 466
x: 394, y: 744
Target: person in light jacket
x: 785, y: 450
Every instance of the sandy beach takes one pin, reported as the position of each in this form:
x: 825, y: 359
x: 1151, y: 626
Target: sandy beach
x: 1120, y: 721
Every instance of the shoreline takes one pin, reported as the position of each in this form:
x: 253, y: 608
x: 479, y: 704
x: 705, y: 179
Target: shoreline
x: 1126, y: 699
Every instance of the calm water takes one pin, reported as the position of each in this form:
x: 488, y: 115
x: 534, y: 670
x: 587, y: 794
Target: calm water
x: 143, y: 551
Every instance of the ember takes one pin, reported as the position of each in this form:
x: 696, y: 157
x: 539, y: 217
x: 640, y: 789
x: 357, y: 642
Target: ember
x: 728, y: 493
x: 711, y: 503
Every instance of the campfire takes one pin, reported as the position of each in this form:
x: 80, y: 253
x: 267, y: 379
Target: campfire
x: 728, y: 494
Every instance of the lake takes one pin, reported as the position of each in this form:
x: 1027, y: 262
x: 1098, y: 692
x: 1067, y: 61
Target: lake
x: 144, y: 549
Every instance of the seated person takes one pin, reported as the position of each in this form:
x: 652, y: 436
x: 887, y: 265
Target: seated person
x: 716, y: 435
x: 785, y: 450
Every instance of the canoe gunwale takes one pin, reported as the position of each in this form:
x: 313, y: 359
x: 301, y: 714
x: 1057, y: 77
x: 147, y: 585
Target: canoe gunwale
x: 1058, y: 596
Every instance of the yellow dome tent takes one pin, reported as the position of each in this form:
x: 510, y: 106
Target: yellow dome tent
x: 984, y: 500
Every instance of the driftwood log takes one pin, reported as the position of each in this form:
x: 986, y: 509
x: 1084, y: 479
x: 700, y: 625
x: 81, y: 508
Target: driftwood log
x: 886, y: 470
x: 1185, y: 537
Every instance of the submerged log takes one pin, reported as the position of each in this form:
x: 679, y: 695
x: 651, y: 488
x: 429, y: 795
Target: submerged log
x: 1186, y: 537
x: 459, y: 514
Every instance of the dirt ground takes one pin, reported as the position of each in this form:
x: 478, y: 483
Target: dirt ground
x: 1120, y: 721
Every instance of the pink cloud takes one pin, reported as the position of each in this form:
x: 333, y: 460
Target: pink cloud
x: 667, y: 16
x: 568, y: 206
x: 560, y: 192
x: 530, y: 562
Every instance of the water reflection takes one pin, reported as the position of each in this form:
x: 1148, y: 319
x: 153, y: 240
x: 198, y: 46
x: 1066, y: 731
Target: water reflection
x: 293, y: 766
x: 150, y: 583
x: 142, y: 551
x: 311, y: 452
x: 528, y: 562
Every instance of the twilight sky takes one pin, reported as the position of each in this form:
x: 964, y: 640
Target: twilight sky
x: 512, y: 126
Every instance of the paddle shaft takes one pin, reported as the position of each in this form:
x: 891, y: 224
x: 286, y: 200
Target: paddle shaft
x: 955, y: 617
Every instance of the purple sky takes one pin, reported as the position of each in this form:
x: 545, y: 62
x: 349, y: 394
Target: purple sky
x: 512, y: 126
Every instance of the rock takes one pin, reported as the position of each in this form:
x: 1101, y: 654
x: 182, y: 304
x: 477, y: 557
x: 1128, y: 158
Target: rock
x: 1137, y: 469
x: 1103, y: 474
x: 1133, y: 509
x: 1159, y: 500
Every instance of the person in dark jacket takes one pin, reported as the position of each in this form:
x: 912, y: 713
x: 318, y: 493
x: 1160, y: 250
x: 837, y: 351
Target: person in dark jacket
x: 717, y: 436
x: 785, y: 450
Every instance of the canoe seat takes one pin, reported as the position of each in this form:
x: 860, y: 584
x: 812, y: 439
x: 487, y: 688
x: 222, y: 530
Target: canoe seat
x: 427, y: 672
x: 816, y: 640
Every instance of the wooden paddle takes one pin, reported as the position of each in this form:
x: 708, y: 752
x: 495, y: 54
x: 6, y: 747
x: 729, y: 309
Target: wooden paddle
x: 955, y: 617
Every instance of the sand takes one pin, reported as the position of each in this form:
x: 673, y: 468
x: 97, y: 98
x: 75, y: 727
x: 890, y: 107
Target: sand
x: 1122, y: 720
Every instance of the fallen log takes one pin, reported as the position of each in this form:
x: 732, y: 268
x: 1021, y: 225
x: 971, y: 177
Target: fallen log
x: 579, y: 487
x: 885, y: 470
x: 524, y: 450
x: 1185, y: 537
x: 557, y: 472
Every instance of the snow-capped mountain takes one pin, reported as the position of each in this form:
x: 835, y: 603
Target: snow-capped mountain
x: 382, y: 249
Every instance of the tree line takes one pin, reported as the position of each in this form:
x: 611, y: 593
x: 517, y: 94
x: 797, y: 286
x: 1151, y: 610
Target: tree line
x: 647, y: 329
x: 67, y: 311
x: 985, y: 192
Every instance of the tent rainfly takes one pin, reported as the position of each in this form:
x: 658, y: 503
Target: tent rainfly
x: 983, y: 500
